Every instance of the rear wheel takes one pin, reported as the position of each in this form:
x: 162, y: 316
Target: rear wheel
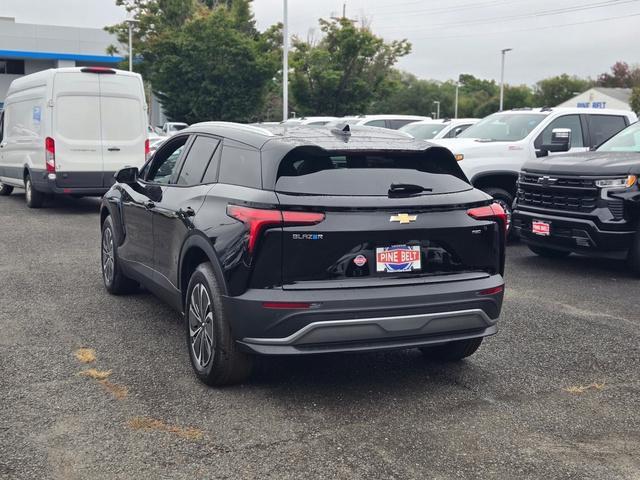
x: 505, y: 199
x: 5, y: 189
x: 115, y: 281
x: 452, y: 351
x: 34, y: 198
x: 548, y: 252
x: 214, y: 353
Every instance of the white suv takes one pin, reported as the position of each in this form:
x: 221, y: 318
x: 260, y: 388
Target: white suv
x: 492, y: 151
x: 436, y: 129
x: 394, y: 122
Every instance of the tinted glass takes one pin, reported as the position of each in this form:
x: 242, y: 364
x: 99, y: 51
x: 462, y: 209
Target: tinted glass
x: 571, y: 122
x: 626, y: 141
x: 165, y: 161
x: 423, y: 131
x: 396, y: 124
x: 504, y: 127
x: 197, y: 160
x: 317, y: 172
x: 455, y: 131
x: 240, y: 165
x: 603, y: 127
x: 376, y: 123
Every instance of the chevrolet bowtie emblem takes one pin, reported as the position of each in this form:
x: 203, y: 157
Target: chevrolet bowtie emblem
x: 403, y: 218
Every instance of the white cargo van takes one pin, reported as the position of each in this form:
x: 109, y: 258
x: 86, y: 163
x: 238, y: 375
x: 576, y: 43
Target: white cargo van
x: 67, y: 130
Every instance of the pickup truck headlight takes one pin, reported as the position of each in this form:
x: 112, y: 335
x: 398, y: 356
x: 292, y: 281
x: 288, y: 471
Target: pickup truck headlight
x: 624, y: 182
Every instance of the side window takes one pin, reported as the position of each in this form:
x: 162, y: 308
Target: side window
x: 566, y: 121
x: 165, y: 161
x: 211, y: 174
x: 200, y: 153
x: 240, y: 165
x: 603, y: 127
x: 376, y: 123
x: 455, y: 131
x: 396, y: 124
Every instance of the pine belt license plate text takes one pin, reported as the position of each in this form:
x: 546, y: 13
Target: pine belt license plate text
x: 541, y: 228
x: 398, y: 258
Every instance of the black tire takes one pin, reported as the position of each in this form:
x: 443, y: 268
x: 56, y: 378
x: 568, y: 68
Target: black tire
x: 5, y: 189
x: 634, y: 253
x: 548, y: 252
x: 225, y: 363
x: 34, y: 198
x: 505, y: 199
x: 452, y: 351
x: 116, y: 282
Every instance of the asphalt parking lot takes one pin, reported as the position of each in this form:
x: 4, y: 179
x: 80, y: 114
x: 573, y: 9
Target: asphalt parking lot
x: 556, y: 394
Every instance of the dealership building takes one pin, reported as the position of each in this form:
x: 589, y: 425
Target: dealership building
x: 601, y: 97
x: 28, y: 48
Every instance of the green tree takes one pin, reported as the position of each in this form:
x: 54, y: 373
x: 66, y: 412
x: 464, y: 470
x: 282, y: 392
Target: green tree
x: 344, y: 72
x: 635, y: 99
x: 556, y: 90
x: 204, y: 60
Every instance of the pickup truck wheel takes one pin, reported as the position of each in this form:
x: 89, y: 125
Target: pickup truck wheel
x: 505, y: 199
x: 34, y: 198
x: 5, y: 189
x: 214, y: 354
x: 634, y: 253
x: 548, y: 252
x: 452, y: 351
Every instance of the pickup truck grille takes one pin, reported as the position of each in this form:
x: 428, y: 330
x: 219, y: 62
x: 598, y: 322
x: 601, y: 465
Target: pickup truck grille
x: 555, y: 192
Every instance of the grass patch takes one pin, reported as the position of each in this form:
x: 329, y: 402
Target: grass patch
x: 85, y: 355
x: 95, y: 373
x: 119, y: 391
x: 579, y: 389
x: 153, y: 424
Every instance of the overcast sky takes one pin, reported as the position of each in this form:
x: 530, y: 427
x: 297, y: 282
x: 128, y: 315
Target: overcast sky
x: 548, y: 37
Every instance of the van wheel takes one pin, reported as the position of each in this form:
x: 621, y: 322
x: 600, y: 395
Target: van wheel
x: 115, y: 281
x: 34, y: 198
x: 548, y: 252
x: 5, y: 189
x: 214, y: 354
x: 505, y: 199
x: 452, y: 351
x: 634, y: 253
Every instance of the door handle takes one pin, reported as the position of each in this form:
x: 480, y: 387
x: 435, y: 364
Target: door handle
x: 149, y: 205
x: 187, y: 212
x: 113, y: 149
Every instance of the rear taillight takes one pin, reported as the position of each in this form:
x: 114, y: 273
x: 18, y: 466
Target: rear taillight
x: 147, y: 149
x: 492, y: 291
x: 257, y: 219
x: 50, y: 154
x: 493, y: 212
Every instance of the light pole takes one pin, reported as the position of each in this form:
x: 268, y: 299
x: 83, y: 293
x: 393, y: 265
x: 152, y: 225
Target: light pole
x: 437, y: 104
x: 285, y: 63
x: 504, y: 52
x: 130, y: 22
x: 455, y: 105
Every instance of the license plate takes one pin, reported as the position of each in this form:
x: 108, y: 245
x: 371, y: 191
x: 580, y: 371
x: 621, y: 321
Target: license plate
x: 541, y: 228
x: 398, y: 258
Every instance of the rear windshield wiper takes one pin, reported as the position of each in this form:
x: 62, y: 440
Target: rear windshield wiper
x: 406, y: 189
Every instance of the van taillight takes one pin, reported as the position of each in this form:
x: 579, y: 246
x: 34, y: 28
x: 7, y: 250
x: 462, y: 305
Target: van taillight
x: 147, y: 149
x: 98, y: 70
x: 493, y: 212
x: 257, y: 219
x: 50, y: 154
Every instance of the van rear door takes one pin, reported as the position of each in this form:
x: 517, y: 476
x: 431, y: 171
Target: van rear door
x: 123, y: 123
x: 76, y: 130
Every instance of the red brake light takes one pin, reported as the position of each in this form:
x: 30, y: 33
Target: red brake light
x: 97, y: 70
x: 258, y: 219
x: 147, y: 149
x: 492, y: 291
x: 50, y: 154
x: 490, y: 212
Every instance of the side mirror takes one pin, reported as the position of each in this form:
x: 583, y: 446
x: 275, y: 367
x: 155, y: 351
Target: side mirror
x: 560, y: 141
x: 127, y: 175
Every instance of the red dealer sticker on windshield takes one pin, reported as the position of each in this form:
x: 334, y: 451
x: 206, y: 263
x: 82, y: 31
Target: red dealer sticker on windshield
x: 398, y: 258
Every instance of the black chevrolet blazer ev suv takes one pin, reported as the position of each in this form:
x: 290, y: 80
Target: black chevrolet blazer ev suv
x: 301, y: 240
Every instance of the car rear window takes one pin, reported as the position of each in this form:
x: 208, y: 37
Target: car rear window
x: 319, y: 172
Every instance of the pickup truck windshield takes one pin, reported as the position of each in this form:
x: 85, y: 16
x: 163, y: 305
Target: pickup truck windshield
x: 423, y: 131
x: 628, y: 140
x: 504, y: 127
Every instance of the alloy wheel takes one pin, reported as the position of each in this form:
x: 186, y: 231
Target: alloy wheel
x: 27, y: 190
x: 107, y: 255
x: 201, y: 326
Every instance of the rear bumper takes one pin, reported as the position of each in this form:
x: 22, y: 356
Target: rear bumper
x: 577, y: 235
x: 72, y: 183
x: 365, y: 319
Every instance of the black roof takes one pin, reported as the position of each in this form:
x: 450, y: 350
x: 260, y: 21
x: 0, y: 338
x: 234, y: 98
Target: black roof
x: 358, y: 137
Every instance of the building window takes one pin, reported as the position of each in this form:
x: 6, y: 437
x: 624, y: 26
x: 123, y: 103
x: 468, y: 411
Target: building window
x: 13, y: 67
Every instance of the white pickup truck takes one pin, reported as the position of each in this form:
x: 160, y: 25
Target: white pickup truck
x: 492, y: 152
